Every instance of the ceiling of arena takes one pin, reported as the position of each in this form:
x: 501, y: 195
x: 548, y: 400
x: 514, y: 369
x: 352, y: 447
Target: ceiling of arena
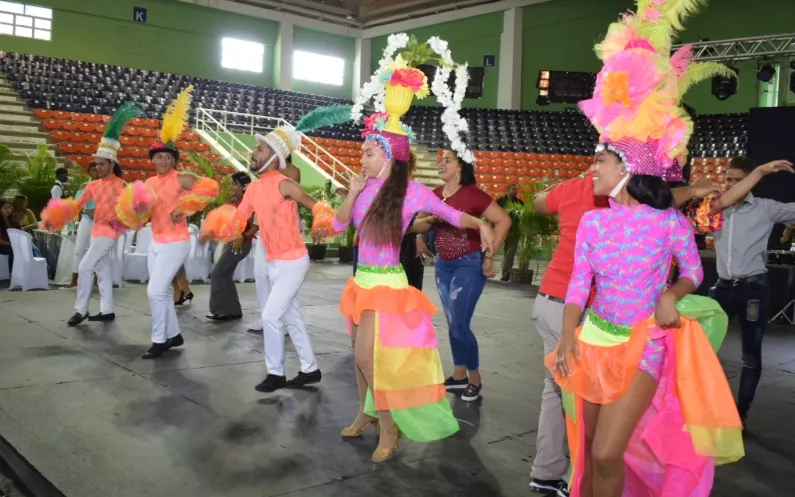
x: 364, y: 12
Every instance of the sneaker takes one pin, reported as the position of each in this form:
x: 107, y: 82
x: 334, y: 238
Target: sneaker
x: 453, y: 384
x: 304, y: 379
x: 472, y: 393
x: 550, y: 488
x: 271, y: 383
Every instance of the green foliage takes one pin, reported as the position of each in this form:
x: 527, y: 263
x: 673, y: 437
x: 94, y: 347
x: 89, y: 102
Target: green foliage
x: 10, y: 173
x: 206, y: 166
x: 40, y: 178
x: 418, y: 53
x: 321, y: 193
x: 531, y: 232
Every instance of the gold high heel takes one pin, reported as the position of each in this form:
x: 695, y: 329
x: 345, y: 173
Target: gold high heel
x: 383, y: 455
x: 353, y: 432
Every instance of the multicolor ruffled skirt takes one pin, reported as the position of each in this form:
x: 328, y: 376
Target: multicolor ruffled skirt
x: 692, y: 423
x: 408, y: 379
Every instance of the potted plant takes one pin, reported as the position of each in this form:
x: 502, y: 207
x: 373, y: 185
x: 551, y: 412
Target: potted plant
x: 346, y: 244
x: 40, y: 178
x: 10, y: 173
x: 317, y: 250
x: 532, y: 232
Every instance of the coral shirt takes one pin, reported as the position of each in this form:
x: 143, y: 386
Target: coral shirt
x: 168, y: 191
x: 105, y: 193
x: 570, y: 200
x: 277, y: 217
x: 452, y: 242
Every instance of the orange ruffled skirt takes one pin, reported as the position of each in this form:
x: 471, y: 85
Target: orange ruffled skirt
x: 692, y: 424
x: 408, y: 379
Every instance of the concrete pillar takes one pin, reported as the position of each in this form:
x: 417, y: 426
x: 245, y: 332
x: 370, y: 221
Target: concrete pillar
x: 283, y: 57
x: 361, y: 65
x: 509, y: 88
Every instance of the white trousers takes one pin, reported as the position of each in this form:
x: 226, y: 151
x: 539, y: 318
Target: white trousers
x: 163, y: 261
x: 283, y: 308
x: 82, y: 241
x: 96, y: 260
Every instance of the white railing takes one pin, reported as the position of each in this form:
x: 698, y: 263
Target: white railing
x: 214, y: 126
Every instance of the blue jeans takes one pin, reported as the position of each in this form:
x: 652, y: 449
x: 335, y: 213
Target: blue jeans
x: 749, y: 300
x: 460, y: 283
x: 355, y: 258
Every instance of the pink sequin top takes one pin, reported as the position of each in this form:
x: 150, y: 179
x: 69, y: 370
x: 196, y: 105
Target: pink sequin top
x: 627, y: 252
x: 419, y: 198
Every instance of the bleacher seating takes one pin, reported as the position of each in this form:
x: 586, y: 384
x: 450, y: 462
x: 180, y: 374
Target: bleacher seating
x: 75, y: 99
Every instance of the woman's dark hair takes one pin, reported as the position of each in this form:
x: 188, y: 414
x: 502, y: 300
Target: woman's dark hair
x: 383, y: 223
x: 241, y: 178
x: 467, y: 171
x: 3, y: 225
x: 651, y: 190
x: 117, y: 170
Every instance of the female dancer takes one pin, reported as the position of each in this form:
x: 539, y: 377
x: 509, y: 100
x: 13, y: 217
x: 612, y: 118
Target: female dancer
x: 646, y: 419
x: 462, y: 268
x: 398, y: 370
x: 224, y: 302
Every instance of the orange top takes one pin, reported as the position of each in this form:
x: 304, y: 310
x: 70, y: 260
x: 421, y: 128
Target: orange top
x: 104, y: 192
x: 277, y: 217
x: 168, y: 191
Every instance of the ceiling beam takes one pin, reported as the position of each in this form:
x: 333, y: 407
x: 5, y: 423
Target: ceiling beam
x: 756, y: 47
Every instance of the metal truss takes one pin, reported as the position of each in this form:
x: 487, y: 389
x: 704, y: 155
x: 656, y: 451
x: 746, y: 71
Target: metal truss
x: 757, y: 47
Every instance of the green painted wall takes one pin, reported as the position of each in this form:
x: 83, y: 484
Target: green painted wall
x: 325, y: 44
x: 177, y: 37
x: 469, y: 39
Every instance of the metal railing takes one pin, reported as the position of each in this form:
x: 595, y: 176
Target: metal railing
x: 218, y: 127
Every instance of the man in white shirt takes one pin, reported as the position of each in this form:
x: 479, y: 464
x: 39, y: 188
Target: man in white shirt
x: 61, y: 177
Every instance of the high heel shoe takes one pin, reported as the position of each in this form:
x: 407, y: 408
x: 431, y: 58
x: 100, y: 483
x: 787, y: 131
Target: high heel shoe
x: 353, y: 432
x: 383, y: 455
x: 180, y: 299
x: 185, y: 298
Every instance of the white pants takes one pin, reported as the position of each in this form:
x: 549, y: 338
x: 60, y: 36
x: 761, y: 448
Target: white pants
x: 282, y: 307
x: 96, y: 260
x: 163, y: 261
x: 82, y: 241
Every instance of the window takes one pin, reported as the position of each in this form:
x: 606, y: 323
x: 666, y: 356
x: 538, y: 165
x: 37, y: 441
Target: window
x: 318, y: 68
x: 27, y: 21
x: 242, y: 55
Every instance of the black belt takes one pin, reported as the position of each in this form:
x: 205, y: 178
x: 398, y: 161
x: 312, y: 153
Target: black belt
x: 743, y: 281
x: 553, y: 299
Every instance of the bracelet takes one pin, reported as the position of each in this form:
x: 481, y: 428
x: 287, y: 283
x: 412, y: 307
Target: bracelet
x: 419, y: 235
x: 488, y: 255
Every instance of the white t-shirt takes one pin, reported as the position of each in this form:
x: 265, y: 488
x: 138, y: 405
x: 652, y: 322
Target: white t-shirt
x: 57, y: 190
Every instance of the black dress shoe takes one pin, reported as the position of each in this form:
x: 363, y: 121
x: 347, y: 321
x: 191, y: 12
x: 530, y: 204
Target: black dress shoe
x: 271, y: 383
x: 102, y: 317
x: 175, y: 341
x: 224, y: 317
x: 76, y: 319
x: 304, y: 379
x: 156, y: 350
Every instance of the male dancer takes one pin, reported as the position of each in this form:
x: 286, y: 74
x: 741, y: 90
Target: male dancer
x: 104, y: 191
x: 273, y: 198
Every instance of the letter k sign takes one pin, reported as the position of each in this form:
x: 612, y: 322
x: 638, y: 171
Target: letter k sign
x: 139, y: 14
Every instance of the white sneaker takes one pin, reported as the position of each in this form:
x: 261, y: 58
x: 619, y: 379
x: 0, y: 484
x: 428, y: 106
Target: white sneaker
x: 254, y: 326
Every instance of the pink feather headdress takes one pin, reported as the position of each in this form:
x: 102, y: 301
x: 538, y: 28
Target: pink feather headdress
x: 636, y: 102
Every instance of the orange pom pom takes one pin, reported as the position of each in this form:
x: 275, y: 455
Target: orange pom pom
x: 322, y: 220
x: 134, y: 205
x: 59, y: 212
x: 206, y: 187
x: 224, y: 224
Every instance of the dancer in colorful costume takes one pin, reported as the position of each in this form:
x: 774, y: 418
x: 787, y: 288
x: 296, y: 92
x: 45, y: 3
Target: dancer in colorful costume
x: 398, y: 370
x: 170, y: 236
x: 644, y: 417
x: 104, y: 192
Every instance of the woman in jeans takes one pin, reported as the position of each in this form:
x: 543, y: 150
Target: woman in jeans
x: 461, y: 266
x: 224, y: 302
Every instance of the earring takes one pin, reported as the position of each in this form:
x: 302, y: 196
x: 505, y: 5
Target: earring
x: 458, y: 174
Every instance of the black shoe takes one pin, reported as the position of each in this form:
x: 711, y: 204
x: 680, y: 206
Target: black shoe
x: 175, y: 341
x: 185, y: 298
x: 271, y: 383
x: 472, y: 393
x: 156, y: 350
x: 453, y: 384
x: 224, y: 317
x: 102, y: 317
x: 505, y: 278
x: 550, y: 488
x: 304, y: 379
x: 76, y: 319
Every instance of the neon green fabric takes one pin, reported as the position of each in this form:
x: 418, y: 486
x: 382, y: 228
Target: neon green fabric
x: 420, y: 424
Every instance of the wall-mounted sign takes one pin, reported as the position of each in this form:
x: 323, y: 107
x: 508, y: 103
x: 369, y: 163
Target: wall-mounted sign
x: 139, y: 14
x: 488, y: 60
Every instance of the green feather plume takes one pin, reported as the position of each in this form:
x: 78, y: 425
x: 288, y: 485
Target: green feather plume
x: 124, y: 113
x: 699, y: 71
x: 324, y: 116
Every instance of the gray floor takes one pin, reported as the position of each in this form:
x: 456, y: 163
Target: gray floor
x: 97, y: 420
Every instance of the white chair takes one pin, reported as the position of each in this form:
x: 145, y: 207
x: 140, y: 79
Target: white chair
x: 135, y: 259
x: 245, y: 269
x: 4, y: 275
x: 199, y: 262
x: 29, y: 272
x: 117, y: 260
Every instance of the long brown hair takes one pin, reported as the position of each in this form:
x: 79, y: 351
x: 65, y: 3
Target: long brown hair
x: 383, y: 223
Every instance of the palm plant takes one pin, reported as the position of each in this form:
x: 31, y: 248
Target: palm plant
x: 531, y: 232
x: 40, y: 178
x: 10, y: 173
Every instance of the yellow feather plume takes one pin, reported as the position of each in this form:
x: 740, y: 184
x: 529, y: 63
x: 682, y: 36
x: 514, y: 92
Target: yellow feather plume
x: 176, y: 116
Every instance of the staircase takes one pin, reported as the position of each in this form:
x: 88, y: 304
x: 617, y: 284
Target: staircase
x: 427, y: 171
x: 20, y: 129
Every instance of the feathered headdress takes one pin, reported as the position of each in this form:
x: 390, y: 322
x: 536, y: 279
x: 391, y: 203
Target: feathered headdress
x: 636, y: 103
x: 109, y: 144
x: 174, y: 121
